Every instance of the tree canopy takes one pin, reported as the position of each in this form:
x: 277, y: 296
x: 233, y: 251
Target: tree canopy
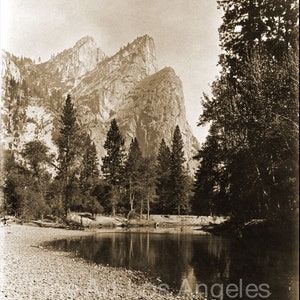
x: 253, y: 111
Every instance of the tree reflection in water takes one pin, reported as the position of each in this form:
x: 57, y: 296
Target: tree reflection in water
x: 183, y: 255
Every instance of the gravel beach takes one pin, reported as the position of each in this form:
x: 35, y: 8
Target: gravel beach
x: 31, y: 271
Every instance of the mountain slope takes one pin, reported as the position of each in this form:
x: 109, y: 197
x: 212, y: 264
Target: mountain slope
x: 147, y: 103
x: 153, y: 109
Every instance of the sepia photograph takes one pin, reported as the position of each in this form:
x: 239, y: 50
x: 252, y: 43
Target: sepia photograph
x: 149, y: 149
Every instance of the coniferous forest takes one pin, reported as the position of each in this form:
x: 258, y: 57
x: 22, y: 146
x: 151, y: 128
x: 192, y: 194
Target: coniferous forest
x: 127, y: 183
x: 247, y: 167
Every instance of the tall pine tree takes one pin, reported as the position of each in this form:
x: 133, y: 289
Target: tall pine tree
x: 113, y: 163
x: 89, y: 176
x: 211, y: 179
x: 133, y: 170
x: 16, y: 179
x: 148, y: 186
x: 69, y: 145
x: 36, y: 156
x: 179, y: 200
x: 90, y: 165
x: 163, y: 172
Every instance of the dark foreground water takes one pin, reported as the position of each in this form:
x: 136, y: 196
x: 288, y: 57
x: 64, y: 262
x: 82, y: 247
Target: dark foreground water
x: 213, y: 265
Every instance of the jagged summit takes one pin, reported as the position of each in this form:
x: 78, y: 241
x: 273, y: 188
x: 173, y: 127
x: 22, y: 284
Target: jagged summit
x: 165, y: 74
x: 142, y: 39
x: 69, y: 65
x: 84, y: 40
x: 115, y: 76
x: 166, y: 71
x: 154, y: 108
x: 147, y: 103
x: 139, y: 51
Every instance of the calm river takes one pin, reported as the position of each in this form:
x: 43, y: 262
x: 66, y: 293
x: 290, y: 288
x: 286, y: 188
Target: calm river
x: 191, y: 260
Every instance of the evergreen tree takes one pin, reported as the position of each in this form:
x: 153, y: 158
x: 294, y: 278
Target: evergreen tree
x: 140, y: 180
x: 27, y: 184
x: 14, y: 183
x: 133, y: 171
x: 163, y: 172
x: 147, y: 186
x: 89, y: 176
x: 90, y: 171
x: 69, y: 147
x: 248, y: 24
x: 211, y: 179
x: 179, y: 201
x: 113, y: 163
x: 102, y: 192
x: 254, y: 107
x: 36, y: 155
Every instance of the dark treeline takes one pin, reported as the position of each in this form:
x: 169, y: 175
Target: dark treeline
x: 249, y: 162
x: 39, y: 184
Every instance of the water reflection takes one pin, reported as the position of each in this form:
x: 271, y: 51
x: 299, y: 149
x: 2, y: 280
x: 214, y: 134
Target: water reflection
x: 184, y: 257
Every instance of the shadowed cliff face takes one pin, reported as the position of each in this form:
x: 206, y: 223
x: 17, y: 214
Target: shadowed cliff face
x: 147, y: 103
x: 153, y: 109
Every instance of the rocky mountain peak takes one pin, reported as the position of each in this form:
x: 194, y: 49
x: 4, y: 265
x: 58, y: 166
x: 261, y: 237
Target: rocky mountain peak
x: 141, y: 51
x: 85, y: 40
x: 153, y: 109
x: 69, y: 65
x: 107, y: 85
x: 147, y: 103
x: 162, y: 77
x: 87, y: 46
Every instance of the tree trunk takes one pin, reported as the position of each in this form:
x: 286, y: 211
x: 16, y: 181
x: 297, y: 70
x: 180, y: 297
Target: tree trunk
x: 148, y: 209
x: 141, y: 209
x: 131, y: 195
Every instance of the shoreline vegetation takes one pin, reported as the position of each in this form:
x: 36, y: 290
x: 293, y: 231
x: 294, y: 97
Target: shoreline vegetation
x: 217, y: 225
x: 83, y: 221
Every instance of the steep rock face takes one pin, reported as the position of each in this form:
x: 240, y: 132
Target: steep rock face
x: 147, y: 103
x: 102, y: 92
x: 69, y: 65
x: 105, y: 87
x: 22, y: 118
x: 153, y: 109
x: 38, y: 125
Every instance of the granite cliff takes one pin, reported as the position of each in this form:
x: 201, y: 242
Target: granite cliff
x: 146, y: 102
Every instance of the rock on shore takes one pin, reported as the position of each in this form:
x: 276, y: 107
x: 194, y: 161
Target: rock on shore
x: 31, y: 271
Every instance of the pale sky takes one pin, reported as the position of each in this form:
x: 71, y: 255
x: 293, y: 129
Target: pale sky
x: 185, y: 33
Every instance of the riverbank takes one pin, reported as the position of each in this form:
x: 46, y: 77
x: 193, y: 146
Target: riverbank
x: 162, y: 221
x: 273, y: 231
x: 31, y: 271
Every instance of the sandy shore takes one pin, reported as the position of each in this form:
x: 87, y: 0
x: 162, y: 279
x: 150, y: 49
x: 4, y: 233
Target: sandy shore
x: 31, y: 271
